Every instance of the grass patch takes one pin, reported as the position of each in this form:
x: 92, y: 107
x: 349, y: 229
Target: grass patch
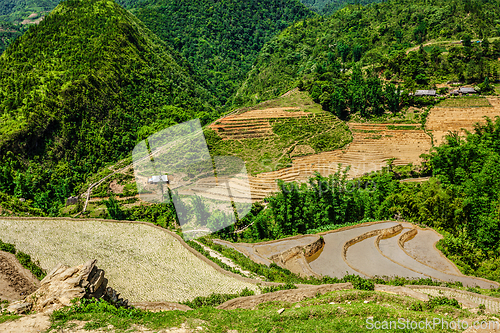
x: 216, y: 299
x: 348, y: 313
x: 24, y: 259
x: 8, y: 317
x: 357, y: 130
x: 464, y: 102
x: 409, y: 115
x: 373, y: 137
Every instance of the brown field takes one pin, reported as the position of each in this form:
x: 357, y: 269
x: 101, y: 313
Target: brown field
x: 253, y: 123
x: 372, y: 147
x: 442, y: 120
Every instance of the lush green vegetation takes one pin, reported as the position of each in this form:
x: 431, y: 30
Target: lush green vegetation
x: 24, y: 259
x: 329, y: 6
x: 326, y: 49
x: 340, y: 311
x: 216, y: 299
x: 78, y: 91
x: 8, y: 33
x: 220, y: 39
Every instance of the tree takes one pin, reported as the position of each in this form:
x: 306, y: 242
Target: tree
x: 392, y: 96
x: 338, y: 103
x: 114, y: 210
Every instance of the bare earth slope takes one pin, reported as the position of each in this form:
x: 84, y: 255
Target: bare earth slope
x: 15, y: 281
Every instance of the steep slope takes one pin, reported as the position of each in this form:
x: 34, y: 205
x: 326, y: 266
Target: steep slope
x: 375, y: 34
x: 76, y: 92
x: 16, y: 16
x: 220, y: 38
x: 16, y: 11
x: 329, y: 6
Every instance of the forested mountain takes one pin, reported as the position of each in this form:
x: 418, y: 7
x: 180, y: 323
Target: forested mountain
x: 327, y: 7
x: 378, y: 34
x: 8, y: 33
x: 14, y: 10
x: 78, y: 90
x: 221, y: 39
x: 16, y: 16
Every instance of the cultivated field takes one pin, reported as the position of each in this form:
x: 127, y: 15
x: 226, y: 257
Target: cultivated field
x: 142, y: 262
x: 372, y: 147
x: 368, y: 250
x: 463, y: 114
x: 269, y: 135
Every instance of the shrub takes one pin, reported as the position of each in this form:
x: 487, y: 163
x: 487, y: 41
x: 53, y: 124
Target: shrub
x: 216, y: 299
x: 442, y: 300
x: 25, y: 260
x: 6, y: 247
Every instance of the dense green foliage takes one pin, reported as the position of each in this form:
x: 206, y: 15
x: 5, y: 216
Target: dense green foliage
x: 329, y: 6
x: 8, y: 33
x: 24, y: 259
x: 326, y: 49
x: 79, y: 90
x: 221, y: 39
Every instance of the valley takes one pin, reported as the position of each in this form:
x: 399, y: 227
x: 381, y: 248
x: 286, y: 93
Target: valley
x: 248, y: 166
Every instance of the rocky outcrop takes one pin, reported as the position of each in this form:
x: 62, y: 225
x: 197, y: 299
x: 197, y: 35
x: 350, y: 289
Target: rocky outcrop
x: 63, y: 284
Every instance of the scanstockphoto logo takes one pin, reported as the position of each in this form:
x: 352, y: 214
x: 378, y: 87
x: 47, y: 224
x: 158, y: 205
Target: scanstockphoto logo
x: 430, y: 324
x: 208, y: 193
x: 322, y: 187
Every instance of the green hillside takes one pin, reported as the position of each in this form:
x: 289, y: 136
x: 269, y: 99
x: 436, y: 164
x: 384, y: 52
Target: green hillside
x: 221, y: 39
x: 17, y: 16
x: 15, y: 10
x: 78, y: 91
x: 379, y: 34
x: 327, y: 7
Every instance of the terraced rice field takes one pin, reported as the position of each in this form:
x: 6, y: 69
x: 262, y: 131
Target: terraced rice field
x: 441, y: 120
x: 372, y: 146
x: 368, y: 250
x: 142, y: 262
x: 254, y: 123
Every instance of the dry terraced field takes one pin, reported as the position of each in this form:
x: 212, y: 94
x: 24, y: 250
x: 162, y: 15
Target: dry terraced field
x: 142, y: 262
x: 372, y: 146
x: 442, y: 120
